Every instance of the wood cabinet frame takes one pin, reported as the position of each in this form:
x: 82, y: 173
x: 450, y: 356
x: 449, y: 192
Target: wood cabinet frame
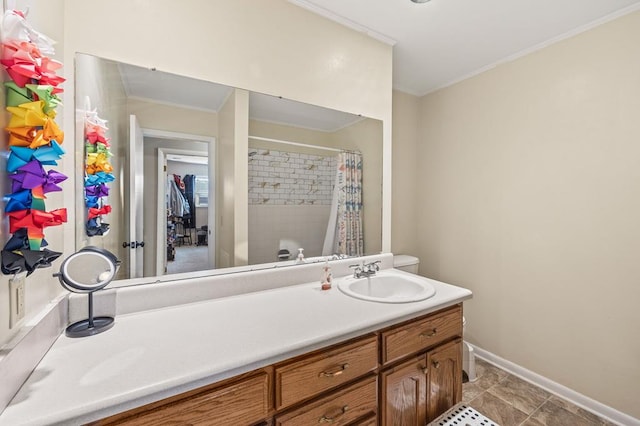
x: 417, y: 363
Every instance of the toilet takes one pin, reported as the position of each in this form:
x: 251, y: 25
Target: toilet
x: 407, y: 263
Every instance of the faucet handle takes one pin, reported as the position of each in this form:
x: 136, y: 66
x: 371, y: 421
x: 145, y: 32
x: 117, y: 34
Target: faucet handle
x: 373, y: 266
x: 357, y: 270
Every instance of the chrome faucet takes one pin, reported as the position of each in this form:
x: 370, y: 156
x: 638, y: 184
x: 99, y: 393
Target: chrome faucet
x: 366, y: 269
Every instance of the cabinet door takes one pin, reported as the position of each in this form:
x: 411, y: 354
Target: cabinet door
x: 404, y: 394
x: 444, y: 378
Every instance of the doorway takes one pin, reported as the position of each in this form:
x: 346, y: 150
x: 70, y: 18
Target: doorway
x: 187, y: 193
x: 183, y: 154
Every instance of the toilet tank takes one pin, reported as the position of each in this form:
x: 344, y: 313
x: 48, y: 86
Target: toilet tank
x: 406, y: 263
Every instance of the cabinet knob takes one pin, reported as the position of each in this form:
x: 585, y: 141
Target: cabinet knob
x: 436, y: 364
x: 334, y: 373
x: 429, y: 333
x: 424, y: 369
x: 331, y: 419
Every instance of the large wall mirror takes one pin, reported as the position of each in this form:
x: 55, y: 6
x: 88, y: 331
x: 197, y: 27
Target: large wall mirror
x: 214, y: 179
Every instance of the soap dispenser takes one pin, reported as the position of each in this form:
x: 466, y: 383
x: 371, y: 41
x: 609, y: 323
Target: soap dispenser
x: 300, y: 258
x: 326, y: 276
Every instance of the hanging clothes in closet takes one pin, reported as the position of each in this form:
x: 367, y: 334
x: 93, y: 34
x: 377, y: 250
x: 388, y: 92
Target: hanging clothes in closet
x: 189, y: 191
x: 177, y: 204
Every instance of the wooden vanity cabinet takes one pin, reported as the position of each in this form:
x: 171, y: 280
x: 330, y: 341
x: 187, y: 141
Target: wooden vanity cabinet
x: 420, y: 334
x: 308, y: 376
x: 245, y: 400
x: 369, y: 421
x: 420, y: 389
x: 403, y: 375
x: 444, y: 378
x: 340, y: 407
x: 404, y: 393
x: 422, y: 377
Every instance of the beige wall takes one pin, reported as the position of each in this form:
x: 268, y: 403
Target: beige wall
x: 308, y: 59
x: 405, y: 168
x: 173, y: 118
x: 224, y: 194
x: 529, y: 195
x: 232, y: 247
x: 241, y: 177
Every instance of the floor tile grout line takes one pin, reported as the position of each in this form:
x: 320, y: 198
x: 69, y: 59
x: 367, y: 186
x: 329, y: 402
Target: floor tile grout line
x: 600, y: 420
x: 510, y: 403
x: 536, y: 410
x: 547, y: 399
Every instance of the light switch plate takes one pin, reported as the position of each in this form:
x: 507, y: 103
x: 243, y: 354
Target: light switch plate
x: 17, y: 306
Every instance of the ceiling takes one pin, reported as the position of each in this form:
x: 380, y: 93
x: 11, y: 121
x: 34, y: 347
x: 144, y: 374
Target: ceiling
x: 171, y: 89
x: 441, y: 42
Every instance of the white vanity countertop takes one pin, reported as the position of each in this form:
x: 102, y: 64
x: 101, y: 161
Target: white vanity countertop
x: 156, y: 354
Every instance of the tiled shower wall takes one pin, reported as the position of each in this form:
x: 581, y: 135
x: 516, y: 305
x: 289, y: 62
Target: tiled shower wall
x: 289, y: 202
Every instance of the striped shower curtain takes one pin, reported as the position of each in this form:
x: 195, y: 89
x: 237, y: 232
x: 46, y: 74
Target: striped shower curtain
x: 344, y: 232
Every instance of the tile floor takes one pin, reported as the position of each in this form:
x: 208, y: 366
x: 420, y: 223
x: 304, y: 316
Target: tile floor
x: 510, y: 401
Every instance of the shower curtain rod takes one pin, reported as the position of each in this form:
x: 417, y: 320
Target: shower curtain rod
x: 260, y: 138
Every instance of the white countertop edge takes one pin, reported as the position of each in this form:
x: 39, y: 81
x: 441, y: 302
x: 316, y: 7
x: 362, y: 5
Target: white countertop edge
x: 95, y: 409
x: 180, y: 385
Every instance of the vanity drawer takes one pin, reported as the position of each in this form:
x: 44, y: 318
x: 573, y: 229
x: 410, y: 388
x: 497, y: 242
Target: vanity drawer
x: 421, y: 334
x: 339, y: 408
x: 246, y: 401
x: 371, y: 421
x: 306, y: 377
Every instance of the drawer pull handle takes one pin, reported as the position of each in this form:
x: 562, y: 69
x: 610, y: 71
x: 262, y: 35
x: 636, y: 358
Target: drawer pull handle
x: 327, y: 419
x: 429, y: 333
x: 334, y: 373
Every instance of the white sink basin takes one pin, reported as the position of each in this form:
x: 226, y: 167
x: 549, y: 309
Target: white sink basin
x: 388, y: 286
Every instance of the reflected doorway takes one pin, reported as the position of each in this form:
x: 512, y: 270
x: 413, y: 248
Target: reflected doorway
x: 187, y: 212
x: 177, y: 233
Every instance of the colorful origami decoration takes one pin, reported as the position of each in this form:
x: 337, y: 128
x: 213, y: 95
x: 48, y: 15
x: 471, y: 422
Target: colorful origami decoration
x: 34, y: 141
x: 98, y: 172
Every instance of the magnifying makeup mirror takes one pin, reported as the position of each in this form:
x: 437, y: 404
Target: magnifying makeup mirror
x: 87, y: 271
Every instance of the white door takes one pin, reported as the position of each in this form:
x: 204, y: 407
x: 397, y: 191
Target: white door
x: 136, y: 191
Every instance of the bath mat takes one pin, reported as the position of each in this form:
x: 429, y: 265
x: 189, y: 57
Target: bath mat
x: 462, y: 415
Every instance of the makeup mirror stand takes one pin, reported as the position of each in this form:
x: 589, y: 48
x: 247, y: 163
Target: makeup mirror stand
x: 87, y: 271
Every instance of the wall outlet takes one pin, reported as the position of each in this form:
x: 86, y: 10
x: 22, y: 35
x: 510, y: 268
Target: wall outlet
x: 17, y: 305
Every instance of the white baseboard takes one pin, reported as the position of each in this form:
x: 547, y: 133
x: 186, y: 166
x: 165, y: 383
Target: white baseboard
x: 559, y: 390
